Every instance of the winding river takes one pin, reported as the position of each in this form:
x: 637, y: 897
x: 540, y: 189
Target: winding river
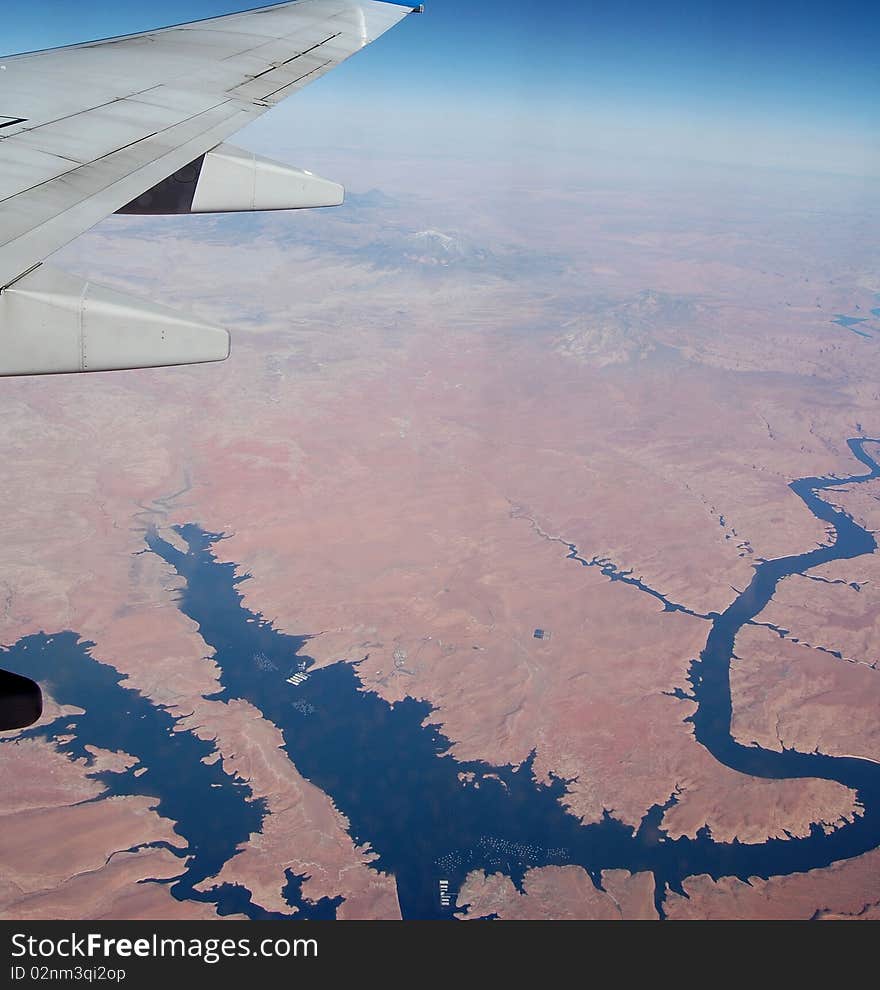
x: 430, y: 818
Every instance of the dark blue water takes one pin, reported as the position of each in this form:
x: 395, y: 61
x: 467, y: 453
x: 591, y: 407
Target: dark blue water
x: 428, y: 816
x: 614, y: 573
x: 213, y: 810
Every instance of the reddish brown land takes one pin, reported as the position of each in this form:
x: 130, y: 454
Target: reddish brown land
x: 400, y: 450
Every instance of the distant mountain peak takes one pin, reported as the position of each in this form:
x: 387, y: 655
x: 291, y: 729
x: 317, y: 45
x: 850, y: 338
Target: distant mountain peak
x: 625, y: 330
x: 433, y: 247
x: 434, y: 235
x: 371, y: 199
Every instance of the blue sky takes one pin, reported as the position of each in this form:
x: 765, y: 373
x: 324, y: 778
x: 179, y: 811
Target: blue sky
x: 782, y: 83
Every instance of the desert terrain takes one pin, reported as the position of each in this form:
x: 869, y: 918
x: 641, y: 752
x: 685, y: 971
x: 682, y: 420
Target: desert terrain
x: 434, y: 399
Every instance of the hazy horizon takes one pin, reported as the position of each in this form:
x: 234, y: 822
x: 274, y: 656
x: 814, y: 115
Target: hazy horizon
x: 794, y: 88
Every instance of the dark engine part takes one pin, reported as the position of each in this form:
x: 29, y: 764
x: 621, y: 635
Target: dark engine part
x: 21, y: 701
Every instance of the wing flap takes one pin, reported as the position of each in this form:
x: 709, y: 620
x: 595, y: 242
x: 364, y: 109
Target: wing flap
x: 24, y: 167
x: 97, y: 133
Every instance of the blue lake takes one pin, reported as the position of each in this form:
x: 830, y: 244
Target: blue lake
x: 428, y: 816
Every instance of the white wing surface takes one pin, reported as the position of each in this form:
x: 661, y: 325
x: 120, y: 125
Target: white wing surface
x: 138, y: 124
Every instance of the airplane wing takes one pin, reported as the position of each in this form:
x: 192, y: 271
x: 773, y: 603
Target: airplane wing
x: 137, y: 124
